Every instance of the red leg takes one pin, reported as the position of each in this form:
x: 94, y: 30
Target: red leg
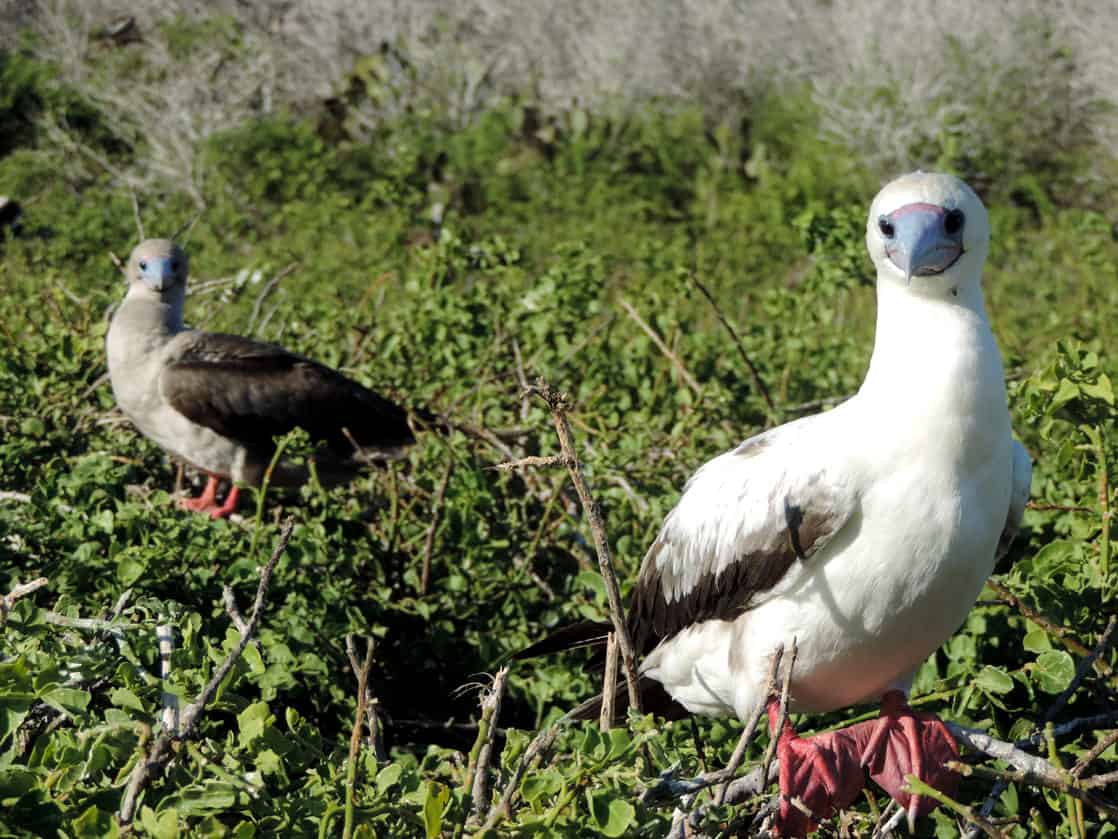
x: 207, y: 501
x: 230, y: 504
x: 906, y: 742
x: 823, y: 772
x: 204, y: 501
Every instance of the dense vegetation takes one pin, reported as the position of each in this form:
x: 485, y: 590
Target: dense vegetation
x: 448, y: 262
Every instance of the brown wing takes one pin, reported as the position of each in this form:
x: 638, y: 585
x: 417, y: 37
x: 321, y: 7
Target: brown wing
x: 252, y: 391
x: 745, y: 521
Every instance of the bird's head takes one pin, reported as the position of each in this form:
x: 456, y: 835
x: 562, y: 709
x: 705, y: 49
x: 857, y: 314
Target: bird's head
x: 929, y: 232
x: 157, y: 268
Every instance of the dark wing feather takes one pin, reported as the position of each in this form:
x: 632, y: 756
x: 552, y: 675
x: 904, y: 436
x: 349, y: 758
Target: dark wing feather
x: 252, y: 391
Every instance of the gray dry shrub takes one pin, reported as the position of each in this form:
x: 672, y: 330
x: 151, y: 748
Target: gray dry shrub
x: 892, y: 80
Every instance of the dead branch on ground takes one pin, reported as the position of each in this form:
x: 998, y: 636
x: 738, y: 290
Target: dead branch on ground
x: 155, y: 761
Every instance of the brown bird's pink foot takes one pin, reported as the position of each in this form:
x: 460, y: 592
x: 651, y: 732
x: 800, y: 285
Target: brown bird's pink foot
x: 207, y: 501
x: 823, y: 772
x: 907, y: 742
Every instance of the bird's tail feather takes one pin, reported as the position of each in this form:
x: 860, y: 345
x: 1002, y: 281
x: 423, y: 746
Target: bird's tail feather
x: 569, y: 637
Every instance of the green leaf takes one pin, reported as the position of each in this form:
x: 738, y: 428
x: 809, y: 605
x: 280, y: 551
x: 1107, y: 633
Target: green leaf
x: 1066, y: 392
x: 434, y: 804
x: 994, y: 680
x: 540, y: 784
x: 1037, y: 641
x: 388, y: 776
x: 125, y: 698
x: 1102, y: 389
x: 1054, y: 671
x: 252, y: 722
x: 163, y: 826
x: 611, y: 815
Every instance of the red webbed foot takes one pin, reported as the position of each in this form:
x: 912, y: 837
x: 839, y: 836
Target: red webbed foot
x: 907, y: 742
x: 823, y: 773
x: 207, y: 501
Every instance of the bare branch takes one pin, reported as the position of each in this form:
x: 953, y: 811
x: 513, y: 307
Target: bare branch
x: 771, y: 750
x: 264, y: 292
x: 481, y: 755
x: 155, y: 761
x: 20, y: 590
x: 165, y: 636
x: 609, y: 684
x: 532, y: 460
x: 1062, y: 634
x: 372, y: 719
x: 557, y: 402
x: 355, y: 735
x: 684, y: 373
x: 751, y: 724
x: 540, y: 744
x: 436, y: 516
x: 754, y: 373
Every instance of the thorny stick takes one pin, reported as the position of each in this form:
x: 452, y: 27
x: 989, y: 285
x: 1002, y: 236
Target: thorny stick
x: 264, y: 292
x: 751, y: 724
x: 373, y: 741
x: 775, y: 738
x: 165, y: 637
x: 609, y: 684
x: 156, y: 759
x: 355, y: 736
x: 1081, y: 669
x: 1104, y: 743
x: 436, y: 517
x: 754, y: 373
x: 21, y: 590
x: 531, y: 460
x: 557, y: 402
x: 684, y: 373
x: 1058, y: 780
x: 540, y: 744
x: 1062, y: 634
x: 477, y: 767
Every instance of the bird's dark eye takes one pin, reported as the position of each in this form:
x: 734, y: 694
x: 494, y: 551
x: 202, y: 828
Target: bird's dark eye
x: 886, y: 227
x: 175, y: 265
x: 143, y: 264
x: 953, y: 221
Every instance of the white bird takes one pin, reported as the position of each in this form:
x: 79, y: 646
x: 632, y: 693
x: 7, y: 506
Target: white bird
x: 216, y: 401
x: 864, y: 534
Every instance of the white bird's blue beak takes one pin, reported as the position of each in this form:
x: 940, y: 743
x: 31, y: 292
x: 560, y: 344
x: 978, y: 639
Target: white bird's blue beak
x: 158, y: 274
x: 922, y: 239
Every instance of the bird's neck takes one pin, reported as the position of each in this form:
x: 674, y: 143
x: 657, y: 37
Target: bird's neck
x: 141, y: 326
x: 934, y: 357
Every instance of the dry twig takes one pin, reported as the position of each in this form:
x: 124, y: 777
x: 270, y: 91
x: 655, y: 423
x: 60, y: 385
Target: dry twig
x: 152, y: 764
x: 684, y: 373
x: 436, y: 517
x: 20, y: 590
x: 355, y: 735
x: 540, y: 744
x: 557, y: 402
x: 481, y: 755
x: 754, y: 373
x: 372, y: 719
x: 755, y: 717
x: 609, y: 684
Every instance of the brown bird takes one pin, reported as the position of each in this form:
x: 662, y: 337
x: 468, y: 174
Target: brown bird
x: 216, y: 401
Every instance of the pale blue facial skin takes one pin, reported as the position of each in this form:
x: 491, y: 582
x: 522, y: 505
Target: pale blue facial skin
x: 158, y: 274
x: 922, y: 239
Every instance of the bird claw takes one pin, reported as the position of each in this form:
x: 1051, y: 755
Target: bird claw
x: 207, y: 501
x: 905, y: 742
x: 821, y: 774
